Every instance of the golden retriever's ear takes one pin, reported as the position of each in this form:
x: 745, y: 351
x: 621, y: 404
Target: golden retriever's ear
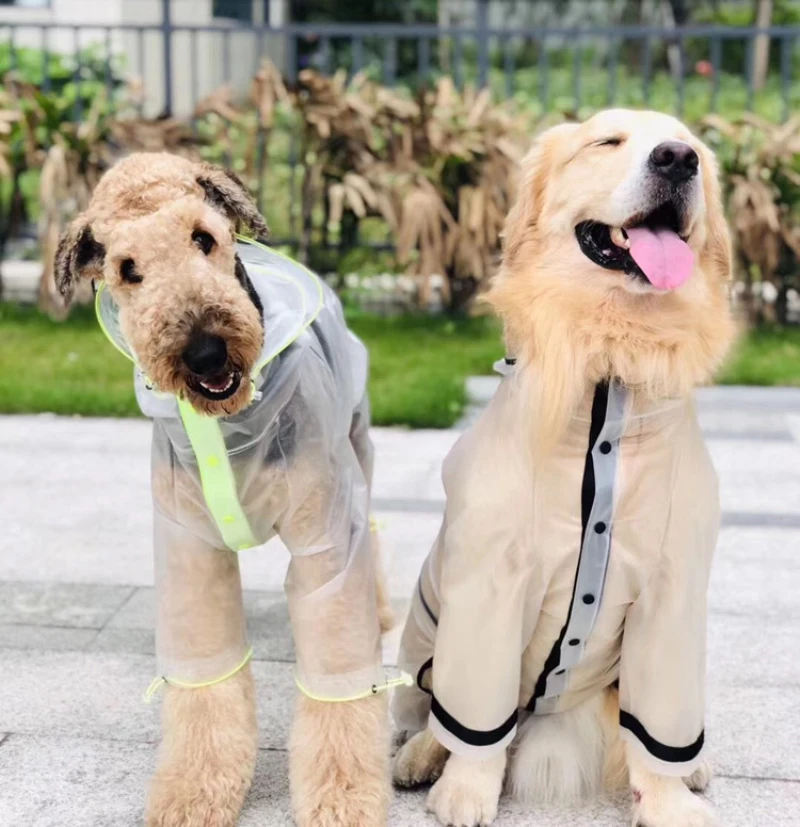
x: 78, y: 256
x: 530, y: 194
x: 717, y: 249
x: 226, y: 191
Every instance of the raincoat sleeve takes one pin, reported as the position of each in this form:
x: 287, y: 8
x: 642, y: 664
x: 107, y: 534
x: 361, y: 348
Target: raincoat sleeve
x: 662, y: 671
x: 331, y: 583
x: 483, y: 578
x: 200, y: 626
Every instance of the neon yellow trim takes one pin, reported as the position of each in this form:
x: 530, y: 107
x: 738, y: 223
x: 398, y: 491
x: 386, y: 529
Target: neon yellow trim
x: 376, y: 525
x: 161, y: 680
x: 311, y: 316
x: 216, y: 477
x: 404, y: 680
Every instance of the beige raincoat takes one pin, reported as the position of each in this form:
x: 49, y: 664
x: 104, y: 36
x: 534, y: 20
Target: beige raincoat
x: 552, y: 580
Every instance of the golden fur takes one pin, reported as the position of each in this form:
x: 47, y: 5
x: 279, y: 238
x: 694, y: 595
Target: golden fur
x: 145, y: 211
x: 572, y: 323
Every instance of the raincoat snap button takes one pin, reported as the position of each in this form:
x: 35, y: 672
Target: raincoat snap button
x: 588, y: 599
x: 212, y: 461
x: 229, y: 518
x: 599, y: 527
x: 605, y: 447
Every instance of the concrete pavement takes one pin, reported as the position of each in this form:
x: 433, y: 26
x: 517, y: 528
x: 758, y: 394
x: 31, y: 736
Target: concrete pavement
x: 77, y: 744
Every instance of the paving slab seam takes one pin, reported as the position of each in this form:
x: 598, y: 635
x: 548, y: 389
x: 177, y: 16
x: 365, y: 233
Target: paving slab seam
x: 128, y: 599
x: 52, y: 625
x: 766, y: 778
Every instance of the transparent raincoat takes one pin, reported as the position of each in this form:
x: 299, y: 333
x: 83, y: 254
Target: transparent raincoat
x: 298, y: 463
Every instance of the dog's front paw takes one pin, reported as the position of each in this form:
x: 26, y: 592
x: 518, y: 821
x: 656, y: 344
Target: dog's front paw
x: 207, y: 755
x: 419, y: 761
x: 339, y: 763
x: 675, y: 807
x: 468, y: 792
x: 192, y: 800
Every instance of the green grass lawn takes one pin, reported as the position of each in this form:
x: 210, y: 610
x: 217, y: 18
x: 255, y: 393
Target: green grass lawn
x: 418, y: 368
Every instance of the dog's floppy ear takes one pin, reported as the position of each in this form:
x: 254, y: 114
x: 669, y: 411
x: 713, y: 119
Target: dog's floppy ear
x: 225, y: 190
x: 718, y: 239
x: 79, y: 255
x: 524, y: 213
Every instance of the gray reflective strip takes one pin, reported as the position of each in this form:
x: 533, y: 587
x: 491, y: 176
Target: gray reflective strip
x: 593, y: 562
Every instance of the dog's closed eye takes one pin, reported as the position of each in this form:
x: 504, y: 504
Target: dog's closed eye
x: 127, y: 270
x: 205, y: 241
x: 613, y: 140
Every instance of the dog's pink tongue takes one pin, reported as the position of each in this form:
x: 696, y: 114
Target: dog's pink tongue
x: 665, y: 259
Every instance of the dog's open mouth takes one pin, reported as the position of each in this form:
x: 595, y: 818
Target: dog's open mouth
x: 651, y: 248
x: 218, y: 386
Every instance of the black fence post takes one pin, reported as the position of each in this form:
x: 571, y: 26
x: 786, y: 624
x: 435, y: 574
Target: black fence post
x: 166, y: 29
x: 483, y: 42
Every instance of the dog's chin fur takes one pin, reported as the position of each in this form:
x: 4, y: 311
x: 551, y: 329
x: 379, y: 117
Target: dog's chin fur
x: 570, y: 324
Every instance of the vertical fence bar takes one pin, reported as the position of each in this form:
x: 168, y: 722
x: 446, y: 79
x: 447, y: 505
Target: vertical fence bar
x: 681, y: 76
x: 543, y: 70
x: 508, y: 65
x: 613, y: 62
x: 109, y: 57
x: 576, y: 72
x: 787, y: 45
x: 77, y: 110
x: 140, y: 68
x: 226, y: 56
x: 291, y: 54
x: 358, y: 54
x: 647, y: 67
x: 46, y: 59
x: 390, y: 61
x: 458, y: 61
x: 716, y: 63
x: 750, y: 61
x: 166, y: 32
x: 423, y: 59
x: 325, y: 54
x: 483, y: 43
x: 194, y: 68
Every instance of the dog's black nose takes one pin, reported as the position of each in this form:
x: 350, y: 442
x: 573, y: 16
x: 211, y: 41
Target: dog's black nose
x: 675, y: 161
x: 206, y: 354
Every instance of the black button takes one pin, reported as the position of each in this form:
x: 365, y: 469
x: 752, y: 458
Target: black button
x: 605, y: 447
x: 588, y: 599
x: 599, y: 527
x: 574, y: 642
x: 561, y: 671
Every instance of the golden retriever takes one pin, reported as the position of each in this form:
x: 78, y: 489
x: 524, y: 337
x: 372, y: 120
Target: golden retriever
x: 558, y: 627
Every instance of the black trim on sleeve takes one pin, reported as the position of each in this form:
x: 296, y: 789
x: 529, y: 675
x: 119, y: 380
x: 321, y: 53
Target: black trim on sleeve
x: 664, y: 752
x: 473, y: 737
x: 421, y: 674
x: 599, y: 412
x: 425, y: 605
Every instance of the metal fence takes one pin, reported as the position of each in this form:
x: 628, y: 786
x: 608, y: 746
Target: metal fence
x: 690, y: 70
x: 552, y: 66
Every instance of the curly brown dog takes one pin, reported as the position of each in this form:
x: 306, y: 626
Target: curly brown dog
x: 260, y: 426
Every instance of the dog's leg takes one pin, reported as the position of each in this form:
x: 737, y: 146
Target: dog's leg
x: 665, y: 801
x: 338, y: 763
x: 419, y: 761
x: 207, y: 755
x: 468, y: 792
x: 209, y: 741
x: 385, y: 614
